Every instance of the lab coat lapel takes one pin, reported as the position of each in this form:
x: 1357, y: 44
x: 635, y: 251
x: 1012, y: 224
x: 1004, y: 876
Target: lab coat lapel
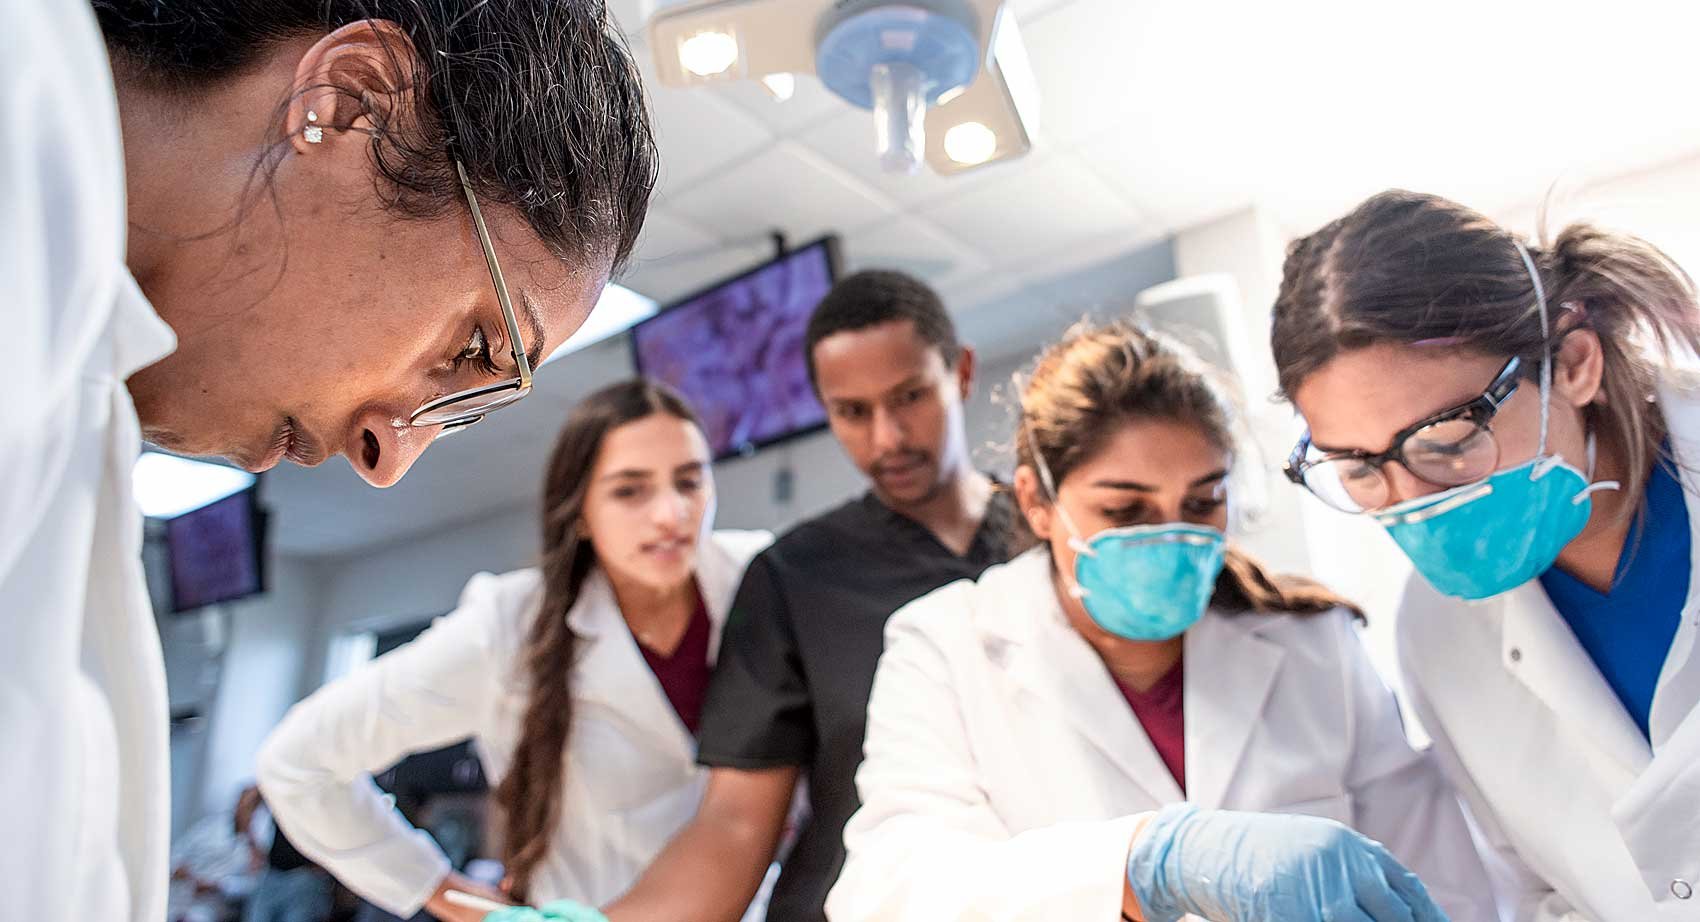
x: 1230, y: 674
x: 1540, y: 651
x: 1050, y: 662
x: 1670, y: 786
x: 611, y: 677
x: 1678, y: 691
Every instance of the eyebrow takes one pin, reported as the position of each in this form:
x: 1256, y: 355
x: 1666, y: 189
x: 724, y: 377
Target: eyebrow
x: 1211, y: 477
x: 634, y: 473
x: 528, y: 309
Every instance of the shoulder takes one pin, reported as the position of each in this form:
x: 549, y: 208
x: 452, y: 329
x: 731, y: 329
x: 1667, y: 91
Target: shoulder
x: 496, y: 609
x: 848, y: 518
x: 1318, y: 640
x: 941, y: 613
x: 1008, y: 599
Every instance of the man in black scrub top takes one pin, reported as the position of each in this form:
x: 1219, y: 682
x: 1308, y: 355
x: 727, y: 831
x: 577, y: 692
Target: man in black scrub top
x: 790, y: 689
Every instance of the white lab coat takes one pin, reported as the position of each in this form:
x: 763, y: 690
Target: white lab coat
x: 83, y: 720
x: 1005, y: 773
x: 631, y: 775
x: 1589, y: 821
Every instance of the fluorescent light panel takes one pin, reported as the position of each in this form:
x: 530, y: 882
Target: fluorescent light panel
x: 167, y: 485
x: 617, y: 310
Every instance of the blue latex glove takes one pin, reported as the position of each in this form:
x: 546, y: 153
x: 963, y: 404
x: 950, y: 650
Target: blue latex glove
x: 558, y: 911
x: 1249, y: 867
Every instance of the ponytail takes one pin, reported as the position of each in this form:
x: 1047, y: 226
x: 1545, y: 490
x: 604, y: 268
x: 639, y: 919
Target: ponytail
x: 1245, y: 585
x: 1642, y: 306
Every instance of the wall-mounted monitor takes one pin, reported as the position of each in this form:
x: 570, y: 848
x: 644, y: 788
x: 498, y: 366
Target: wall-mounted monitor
x: 735, y: 350
x: 217, y: 552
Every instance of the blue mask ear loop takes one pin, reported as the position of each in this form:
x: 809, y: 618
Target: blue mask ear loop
x: 1540, y: 470
x: 1075, y: 541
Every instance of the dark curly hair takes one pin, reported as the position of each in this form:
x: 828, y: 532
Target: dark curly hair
x: 540, y: 99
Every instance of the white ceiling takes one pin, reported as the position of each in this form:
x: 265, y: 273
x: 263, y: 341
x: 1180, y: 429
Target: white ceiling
x: 1156, y: 115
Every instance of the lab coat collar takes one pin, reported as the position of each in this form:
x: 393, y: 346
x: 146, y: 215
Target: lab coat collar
x: 1542, y: 653
x: 1047, y: 659
x: 611, y: 673
x: 1228, y: 682
x: 1678, y: 691
x: 140, y: 337
x: 1539, y: 650
x: 718, y: 572
x: 1231, y: 674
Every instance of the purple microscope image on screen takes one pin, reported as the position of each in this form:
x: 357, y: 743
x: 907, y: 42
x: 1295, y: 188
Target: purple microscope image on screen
x: 736, y: 351
x: 215, y: 552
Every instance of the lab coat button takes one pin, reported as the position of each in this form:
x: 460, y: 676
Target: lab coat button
x: 1681, y: 889
x: 1516, y: 655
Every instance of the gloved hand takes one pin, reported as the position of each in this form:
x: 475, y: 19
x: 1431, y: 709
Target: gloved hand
x: 558, y: 911
x: 1250, y: 867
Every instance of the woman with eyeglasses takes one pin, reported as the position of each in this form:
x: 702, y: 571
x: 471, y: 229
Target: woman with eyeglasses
x: 1507, y: 411
x: 262, y: 230
x: 580, y: 681
x: 1135, y: 717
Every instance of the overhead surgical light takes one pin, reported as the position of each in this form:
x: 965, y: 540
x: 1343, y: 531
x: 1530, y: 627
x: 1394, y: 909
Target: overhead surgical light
x: 709, y: 53
x: 929, y: 70
x: 970, y: 143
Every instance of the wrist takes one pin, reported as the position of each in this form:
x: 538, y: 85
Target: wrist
x: 1131, y: 911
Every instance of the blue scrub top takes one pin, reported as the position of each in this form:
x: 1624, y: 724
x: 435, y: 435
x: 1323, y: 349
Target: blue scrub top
x: 1628, y: 631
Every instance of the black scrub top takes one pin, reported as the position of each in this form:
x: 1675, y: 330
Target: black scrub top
x: 797, y: 662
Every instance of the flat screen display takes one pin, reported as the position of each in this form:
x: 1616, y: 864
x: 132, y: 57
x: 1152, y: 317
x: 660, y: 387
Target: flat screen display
x: 215, y: 552
x: 735, y: 350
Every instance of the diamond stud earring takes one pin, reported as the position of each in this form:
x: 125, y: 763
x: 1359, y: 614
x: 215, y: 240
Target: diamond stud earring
x: 313, y: 133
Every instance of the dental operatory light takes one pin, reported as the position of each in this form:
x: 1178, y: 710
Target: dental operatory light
x: 167, y: 485
x: 970, y: 143
x: 948, y: 81
x: 709, y: 53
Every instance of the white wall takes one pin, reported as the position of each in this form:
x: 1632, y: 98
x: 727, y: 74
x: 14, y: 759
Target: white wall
x: 264, y: 656
x: 416, y: 579
x: 239, y: 666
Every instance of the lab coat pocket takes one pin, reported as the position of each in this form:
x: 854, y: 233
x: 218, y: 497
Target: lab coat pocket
x: 1337, y: 807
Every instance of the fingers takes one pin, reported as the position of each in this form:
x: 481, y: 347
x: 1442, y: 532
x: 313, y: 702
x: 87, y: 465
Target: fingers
x: 1419, y: 906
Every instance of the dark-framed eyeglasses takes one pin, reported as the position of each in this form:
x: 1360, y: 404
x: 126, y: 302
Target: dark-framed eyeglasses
x: 1449, y: 449
x: 458, y: 410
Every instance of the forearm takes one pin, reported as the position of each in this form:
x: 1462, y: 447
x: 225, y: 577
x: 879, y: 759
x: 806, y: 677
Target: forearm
x: 708, y: 873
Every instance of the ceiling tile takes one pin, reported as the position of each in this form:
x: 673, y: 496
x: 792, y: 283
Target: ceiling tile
x: 670, y: 279
x: 786, y: 187
x: 911, y: 245
x: 1036, y: 217
x: 811, y: 104
x: 1031, y: 11
x: 1086, y: 60
x: 847, y: 140
x: 697, y: 132
x: 1178, y: 168
x: 628, y: 14
x: 666, y: 236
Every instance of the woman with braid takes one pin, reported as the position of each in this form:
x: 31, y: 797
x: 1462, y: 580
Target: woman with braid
x: 580, y: 680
